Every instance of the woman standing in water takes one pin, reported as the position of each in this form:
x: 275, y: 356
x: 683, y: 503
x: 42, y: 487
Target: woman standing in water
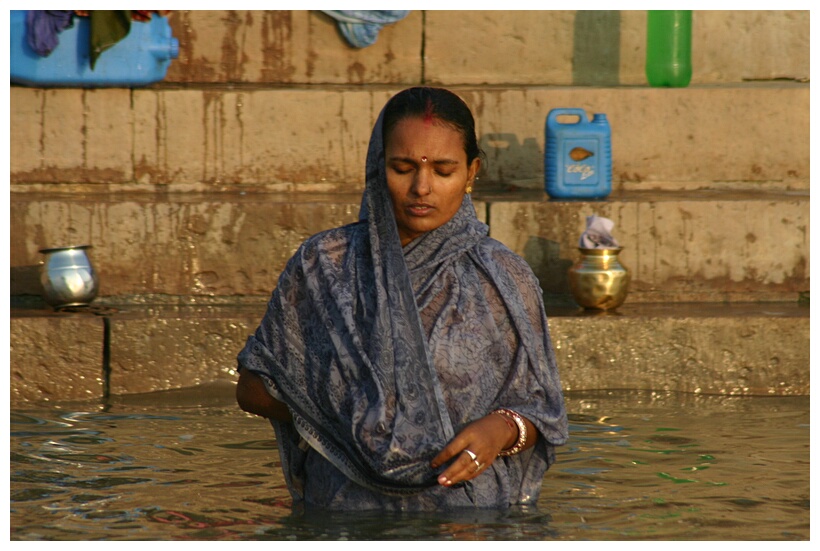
x: 405, y: 360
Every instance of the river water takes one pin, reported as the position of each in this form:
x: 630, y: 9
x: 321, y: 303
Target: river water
x: 189, y: 465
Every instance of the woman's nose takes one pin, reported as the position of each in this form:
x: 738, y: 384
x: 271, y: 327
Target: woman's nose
x: 422, y: 183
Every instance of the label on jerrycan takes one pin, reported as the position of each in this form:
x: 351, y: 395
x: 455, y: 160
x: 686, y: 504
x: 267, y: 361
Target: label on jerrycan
x: 578, y: 155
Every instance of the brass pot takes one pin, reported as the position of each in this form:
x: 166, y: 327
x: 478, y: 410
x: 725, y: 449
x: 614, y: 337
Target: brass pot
x: 598, y: 280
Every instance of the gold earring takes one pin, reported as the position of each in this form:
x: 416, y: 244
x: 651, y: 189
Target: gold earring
x: 469, y: 189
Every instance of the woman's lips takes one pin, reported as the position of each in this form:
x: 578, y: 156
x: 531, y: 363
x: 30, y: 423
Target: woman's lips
x: 420, y: 209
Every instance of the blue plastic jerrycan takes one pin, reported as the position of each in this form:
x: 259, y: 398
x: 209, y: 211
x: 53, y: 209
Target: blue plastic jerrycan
x: 578, y: 155
x: 142, y: 57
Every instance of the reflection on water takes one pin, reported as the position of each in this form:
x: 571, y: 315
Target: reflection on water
x: 188, y: 465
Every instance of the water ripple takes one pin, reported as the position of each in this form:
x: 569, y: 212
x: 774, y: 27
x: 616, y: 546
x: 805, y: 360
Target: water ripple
x: 638, y: 466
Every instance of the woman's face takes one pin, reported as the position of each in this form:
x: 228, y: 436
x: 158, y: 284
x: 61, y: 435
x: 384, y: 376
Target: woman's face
x: 427, y: 174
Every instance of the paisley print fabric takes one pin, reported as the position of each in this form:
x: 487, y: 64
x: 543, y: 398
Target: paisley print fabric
x: 384, y: 353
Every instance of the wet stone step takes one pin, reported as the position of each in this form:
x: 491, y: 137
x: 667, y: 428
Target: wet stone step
x: 684, y: 246
x: 737, y: 349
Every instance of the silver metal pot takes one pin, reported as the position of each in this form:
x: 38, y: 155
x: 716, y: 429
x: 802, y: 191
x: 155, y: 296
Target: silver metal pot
x: 67, y: 276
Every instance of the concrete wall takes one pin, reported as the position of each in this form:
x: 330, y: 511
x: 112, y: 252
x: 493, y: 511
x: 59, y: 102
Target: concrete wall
x: 265, y: 98
x: 232, y: 245
x: 195, y: 190
x: 269, y: 102
x: 556, y: 47
x: 300, y: 139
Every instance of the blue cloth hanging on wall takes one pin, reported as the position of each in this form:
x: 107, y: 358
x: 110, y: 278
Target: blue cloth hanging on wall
x: 361, y: 27
x: 43, y: 26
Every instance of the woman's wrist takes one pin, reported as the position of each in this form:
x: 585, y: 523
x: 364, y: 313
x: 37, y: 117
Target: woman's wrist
x: 517, y: 423
x: 512, y: 430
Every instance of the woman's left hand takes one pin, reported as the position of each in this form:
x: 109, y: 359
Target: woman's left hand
x: 483, y: 438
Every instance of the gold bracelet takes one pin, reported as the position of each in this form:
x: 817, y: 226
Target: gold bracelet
x: 522, y: 432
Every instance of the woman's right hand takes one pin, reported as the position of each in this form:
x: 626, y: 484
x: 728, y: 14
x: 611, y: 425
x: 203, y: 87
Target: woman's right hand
x: 484, y: 438
x: 252, y: 396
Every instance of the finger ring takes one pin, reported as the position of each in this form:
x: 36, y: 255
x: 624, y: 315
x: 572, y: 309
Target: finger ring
x: 474, y: 457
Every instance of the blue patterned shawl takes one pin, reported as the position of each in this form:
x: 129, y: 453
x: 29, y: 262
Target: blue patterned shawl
x: 384, y: 353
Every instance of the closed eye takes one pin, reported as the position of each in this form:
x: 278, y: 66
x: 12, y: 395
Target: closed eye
x: 401, y: 170
x: 443, y: 168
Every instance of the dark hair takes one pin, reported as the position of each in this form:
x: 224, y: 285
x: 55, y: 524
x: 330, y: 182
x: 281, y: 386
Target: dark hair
x: 426, y: 102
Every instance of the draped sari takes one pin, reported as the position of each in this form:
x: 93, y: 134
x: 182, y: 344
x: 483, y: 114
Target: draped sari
x: 384, y: 353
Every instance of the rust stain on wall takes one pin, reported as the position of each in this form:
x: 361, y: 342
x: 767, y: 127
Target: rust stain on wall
x: 155, y: 169
x: 311, y: 55
x: 51, y: 174
x: 233, y: 55
x: 277, y: 28
x: 695, y: 286
x: 213, y: 125
x: 187, y: 68
x: 355, y: 73
x: 143, y: 170
x: 239, y: 119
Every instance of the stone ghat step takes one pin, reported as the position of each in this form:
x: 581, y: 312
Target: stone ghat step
x: 318, y: 136
x: 692, y: 246
x: 738, y: 349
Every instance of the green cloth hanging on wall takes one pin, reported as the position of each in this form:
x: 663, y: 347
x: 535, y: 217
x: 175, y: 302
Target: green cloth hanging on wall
x: 107, y: 28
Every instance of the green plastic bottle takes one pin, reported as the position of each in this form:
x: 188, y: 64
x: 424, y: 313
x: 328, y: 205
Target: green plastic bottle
x: 669, y: 47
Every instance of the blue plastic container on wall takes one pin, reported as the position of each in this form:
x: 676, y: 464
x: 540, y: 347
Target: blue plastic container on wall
x: 142, y: 57
x: 578, y: 155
